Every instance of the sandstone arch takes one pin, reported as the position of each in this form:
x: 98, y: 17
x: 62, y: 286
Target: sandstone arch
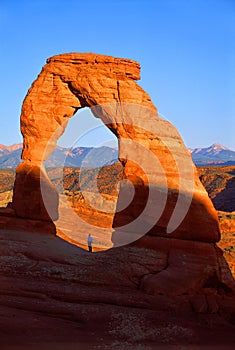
x: 72, y: 81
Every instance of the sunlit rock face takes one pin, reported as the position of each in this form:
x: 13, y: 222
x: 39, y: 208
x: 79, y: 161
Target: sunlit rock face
x: 156, y: 164
x: 163, y: 216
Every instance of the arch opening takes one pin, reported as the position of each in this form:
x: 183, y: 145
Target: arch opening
x: 86, y: 178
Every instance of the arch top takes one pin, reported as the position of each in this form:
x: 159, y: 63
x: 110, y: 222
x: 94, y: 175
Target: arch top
x: 71, y: 81
x: 125, y: 66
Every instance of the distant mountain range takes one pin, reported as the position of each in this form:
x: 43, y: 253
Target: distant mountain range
x: 216, y: 154
x: 10, y: 156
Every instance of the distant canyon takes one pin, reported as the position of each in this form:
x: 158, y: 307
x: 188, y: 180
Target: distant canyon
x: 219, y: 182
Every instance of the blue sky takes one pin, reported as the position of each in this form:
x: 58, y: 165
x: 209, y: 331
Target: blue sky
x: 186, y: 49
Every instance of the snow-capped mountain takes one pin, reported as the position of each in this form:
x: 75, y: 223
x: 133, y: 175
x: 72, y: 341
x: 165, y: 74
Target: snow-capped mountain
x: 214, y: 154
x: 10, y: 156
x: 8, y: 149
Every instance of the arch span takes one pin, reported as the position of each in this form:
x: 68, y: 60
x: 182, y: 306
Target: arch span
x: 153, y: 155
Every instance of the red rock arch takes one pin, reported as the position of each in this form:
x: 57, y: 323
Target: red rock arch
x: 72, y: 81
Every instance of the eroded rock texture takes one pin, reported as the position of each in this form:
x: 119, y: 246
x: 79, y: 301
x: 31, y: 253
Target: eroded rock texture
x: 54, y: 295
x: 151, y: 150
x: 169, y: 200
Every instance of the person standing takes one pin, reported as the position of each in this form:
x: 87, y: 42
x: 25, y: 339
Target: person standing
x: 89, y: 243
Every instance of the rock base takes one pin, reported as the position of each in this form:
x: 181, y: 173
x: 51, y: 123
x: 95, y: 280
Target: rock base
x: 9, y: 221
x: 113, y: 299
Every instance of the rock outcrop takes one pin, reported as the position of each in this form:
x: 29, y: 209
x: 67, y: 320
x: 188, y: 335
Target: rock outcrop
x: 169, y: 199
x: 219, y: 182
x: 227, y: 242
x: 164, y: 217
x: 54, y: 295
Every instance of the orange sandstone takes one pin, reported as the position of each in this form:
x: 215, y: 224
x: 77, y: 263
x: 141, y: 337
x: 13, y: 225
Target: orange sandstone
x: 108, y: 86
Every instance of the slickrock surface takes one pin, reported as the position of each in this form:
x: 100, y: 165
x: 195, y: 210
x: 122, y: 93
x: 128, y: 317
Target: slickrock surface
x: 54, y: 295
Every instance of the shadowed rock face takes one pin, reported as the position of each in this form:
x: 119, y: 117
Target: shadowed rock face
x: 151, y: 150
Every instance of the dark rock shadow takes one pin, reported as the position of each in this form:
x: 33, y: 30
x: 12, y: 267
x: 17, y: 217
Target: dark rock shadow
x: 225, y: 200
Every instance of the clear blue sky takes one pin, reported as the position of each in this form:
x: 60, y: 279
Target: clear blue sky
x: 186, y: 49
